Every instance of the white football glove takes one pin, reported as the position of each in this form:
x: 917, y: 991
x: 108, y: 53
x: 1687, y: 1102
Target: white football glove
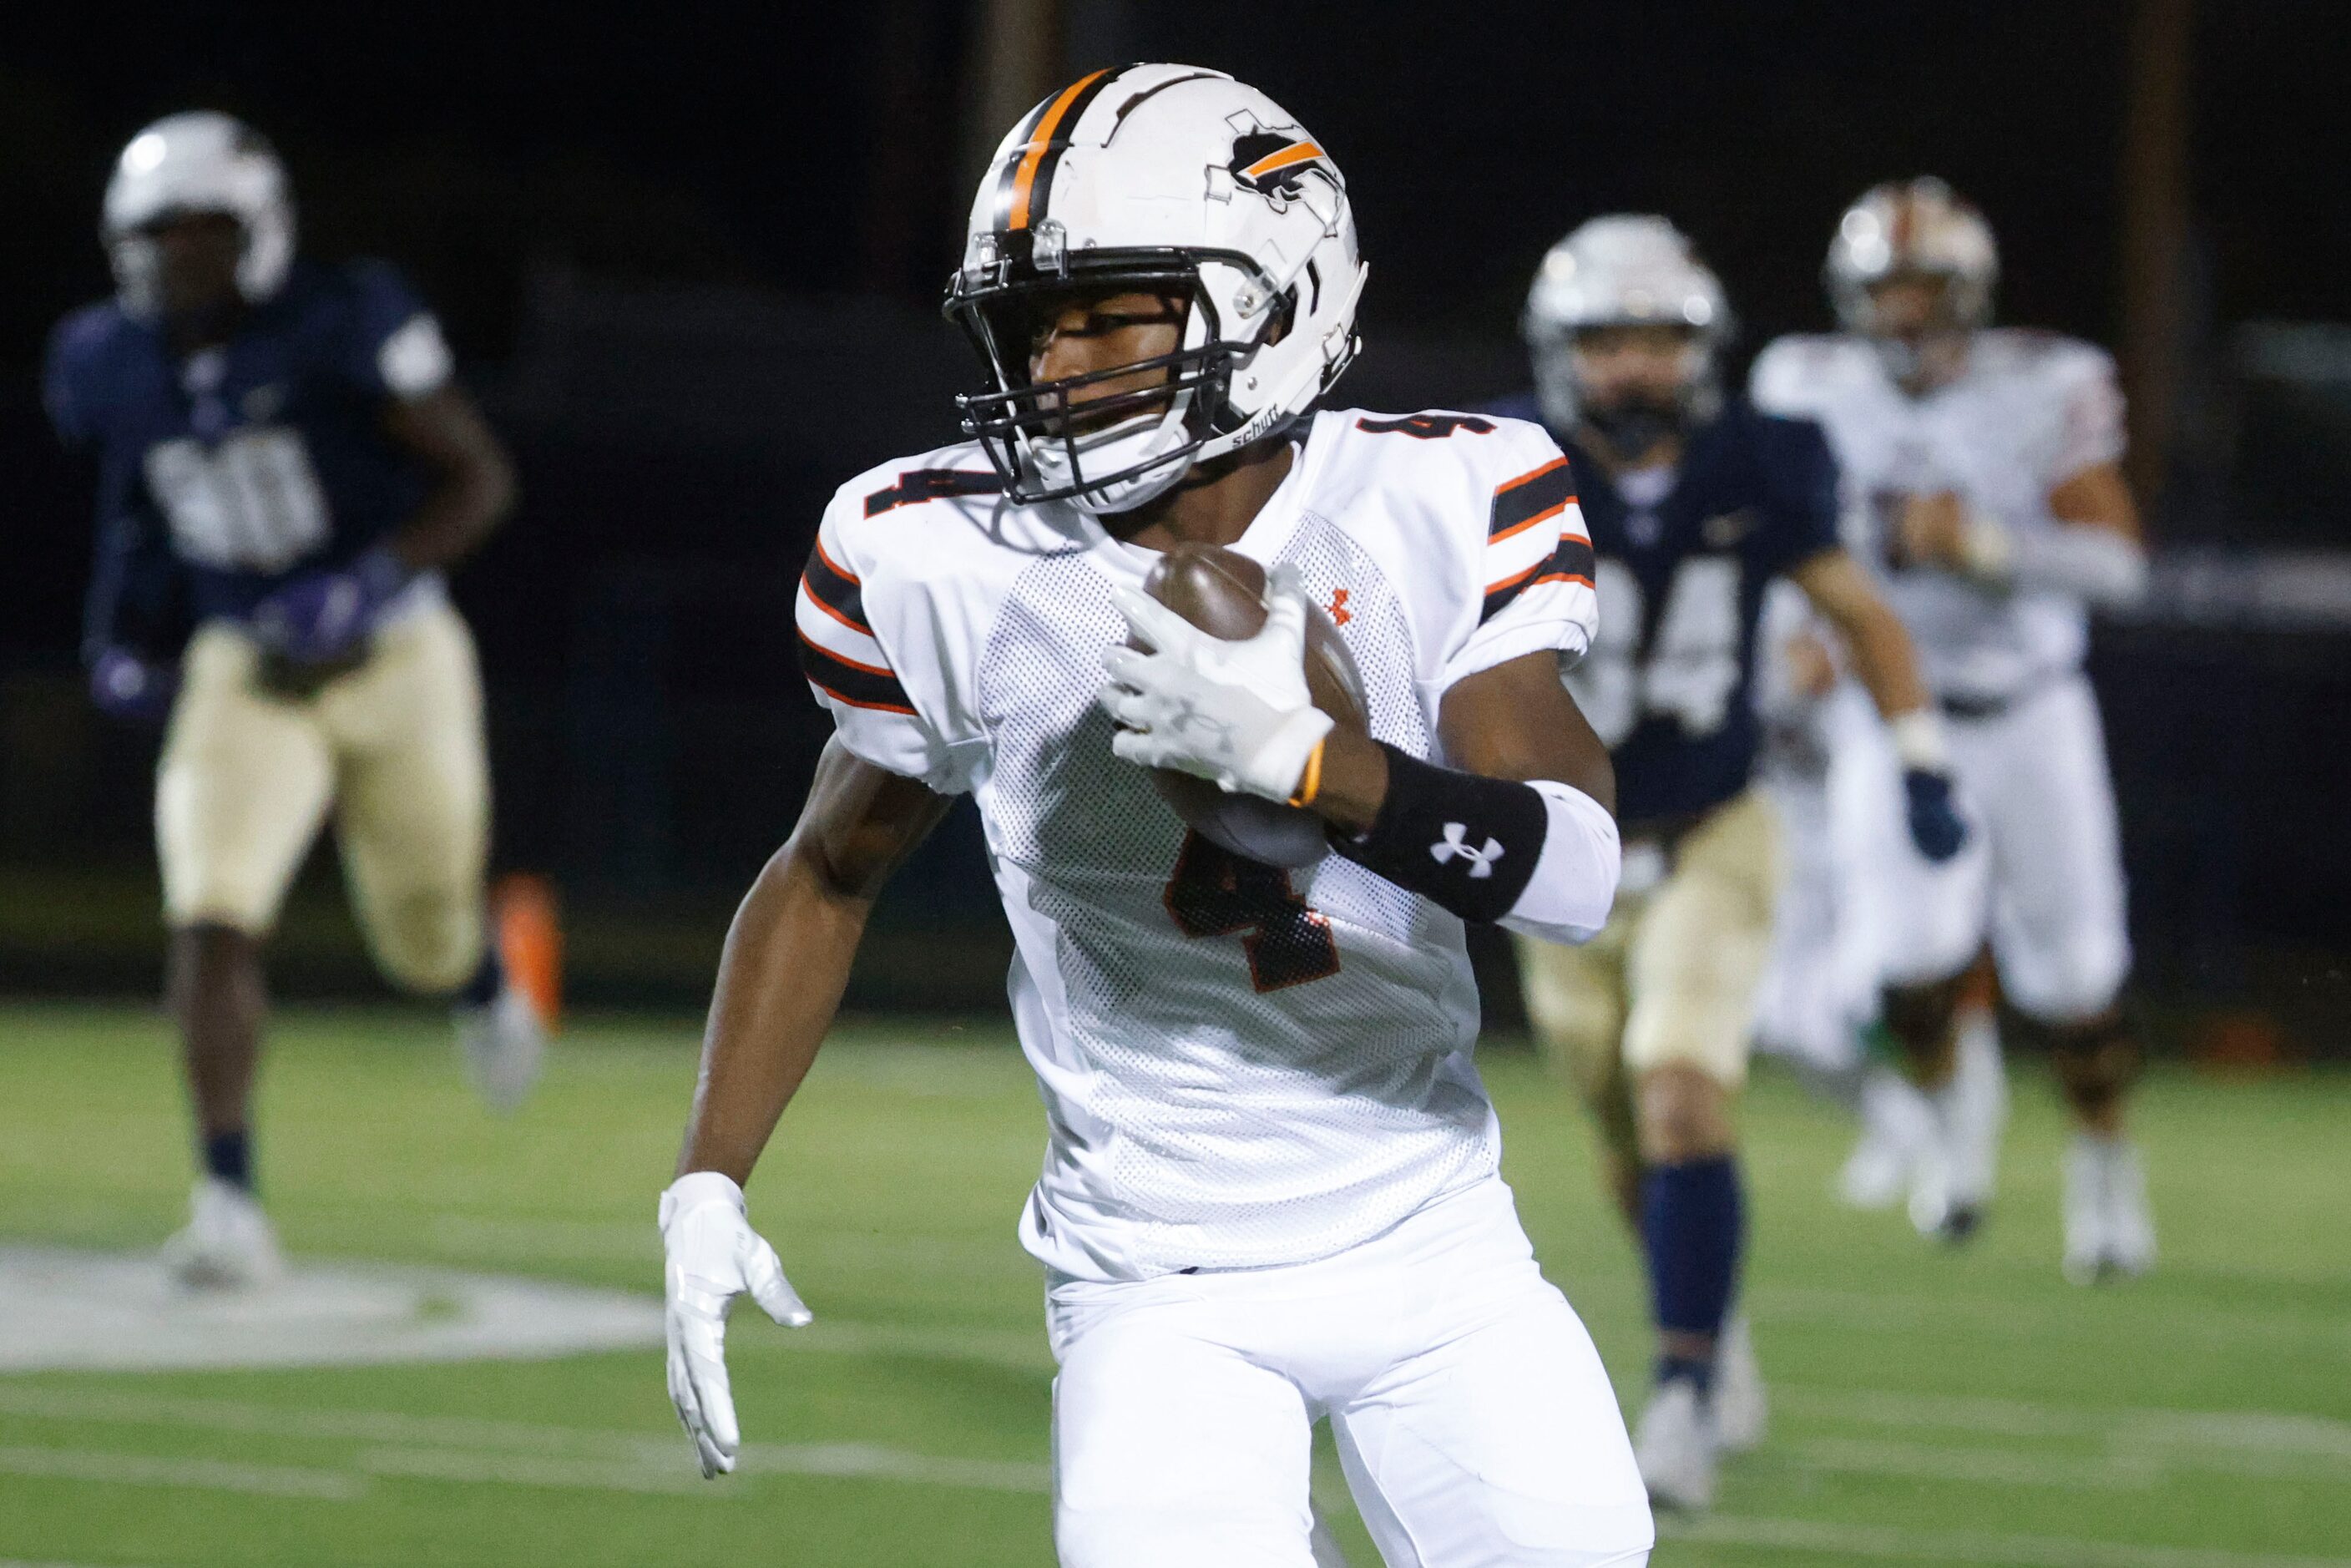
x: 1237, y: 713
x: 713, y: 1257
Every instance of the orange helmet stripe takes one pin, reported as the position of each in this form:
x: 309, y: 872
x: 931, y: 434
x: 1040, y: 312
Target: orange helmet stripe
x: 1296, y: 152
x: 1025, y: 179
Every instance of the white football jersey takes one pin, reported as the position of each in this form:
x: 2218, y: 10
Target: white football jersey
x: 1241, y: 1066
x: 2030, y: 410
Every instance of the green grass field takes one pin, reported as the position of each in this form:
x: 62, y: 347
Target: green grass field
x: 1930, y: 1408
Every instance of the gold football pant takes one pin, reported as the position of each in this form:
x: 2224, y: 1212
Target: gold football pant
x: 394, y: 746
x: 1673, y: 980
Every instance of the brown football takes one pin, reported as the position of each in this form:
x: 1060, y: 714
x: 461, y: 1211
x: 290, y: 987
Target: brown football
x: 1222, y: 593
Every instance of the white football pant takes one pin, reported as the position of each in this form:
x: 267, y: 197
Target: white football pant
x: 1473, y: 1416
x: 1820, y: 986
x: 2041, y: 871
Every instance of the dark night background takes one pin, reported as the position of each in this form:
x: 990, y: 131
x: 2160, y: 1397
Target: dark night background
x: 690, y: 258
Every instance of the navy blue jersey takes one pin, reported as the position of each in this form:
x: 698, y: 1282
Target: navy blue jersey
x: 1669, y: 682
x: 224, y: 471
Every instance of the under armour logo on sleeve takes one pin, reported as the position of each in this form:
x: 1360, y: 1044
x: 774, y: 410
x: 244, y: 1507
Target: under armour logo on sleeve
x: 1481, y: 861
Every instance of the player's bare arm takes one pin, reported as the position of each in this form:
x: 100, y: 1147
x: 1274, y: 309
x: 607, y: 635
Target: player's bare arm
x: 1880, y: 649
x: 788, y: 953
x: 2099, y: 497
x: 780, y: 982
x: 2095, y: 553
x: 473, y: 479
x: 1888, y: 666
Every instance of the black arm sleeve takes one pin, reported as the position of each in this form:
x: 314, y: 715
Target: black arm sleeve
x: 1467, y: 843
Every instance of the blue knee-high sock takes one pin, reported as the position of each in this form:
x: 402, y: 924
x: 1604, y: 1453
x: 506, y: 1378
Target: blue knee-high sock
x: 1693, y: 1224
x: 487, y: 981
x: 229, y: 1156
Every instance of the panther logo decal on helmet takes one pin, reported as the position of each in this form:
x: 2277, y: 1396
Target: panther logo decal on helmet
x: 1275, y: 163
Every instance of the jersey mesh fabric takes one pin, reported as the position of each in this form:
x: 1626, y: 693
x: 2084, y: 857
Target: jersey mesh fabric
x: 1226, y: 1126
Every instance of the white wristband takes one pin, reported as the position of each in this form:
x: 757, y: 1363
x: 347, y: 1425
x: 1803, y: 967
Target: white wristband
x: 1919, y: 740
x: 1574, y: 884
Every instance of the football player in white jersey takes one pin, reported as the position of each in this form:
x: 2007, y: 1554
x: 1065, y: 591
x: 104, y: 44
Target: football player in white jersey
x: 1981, y: 467
x: 1270, y: 1191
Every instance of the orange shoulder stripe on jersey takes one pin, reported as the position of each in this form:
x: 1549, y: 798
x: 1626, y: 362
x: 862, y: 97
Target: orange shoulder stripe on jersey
x: 835, y: 591
x: 1555, y: 510
x: 1532, y: 497
x: 1573, y: 561
x: 1516, y: 578
x: 852, y: 701
x: 838, y: 570
x: 1531, y: 475
x: 851, y: 681
x: 858, y: 666
x: 1024, y: 181
x: 818, y: 601
x: 1296, y: 152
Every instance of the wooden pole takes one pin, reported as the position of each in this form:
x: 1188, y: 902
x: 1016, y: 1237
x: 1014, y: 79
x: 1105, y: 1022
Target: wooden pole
x: 2155, y: 234
x: 1015, y: 61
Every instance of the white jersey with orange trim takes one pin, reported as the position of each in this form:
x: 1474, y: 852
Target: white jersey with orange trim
x: 2030, y: 410
x: 1240, y: 1066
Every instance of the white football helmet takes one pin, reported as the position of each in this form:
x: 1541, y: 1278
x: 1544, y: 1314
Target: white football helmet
x: 198, y: 162
x: 1623, y: 269
x: 1166, y: 178
x: 1913, y: 228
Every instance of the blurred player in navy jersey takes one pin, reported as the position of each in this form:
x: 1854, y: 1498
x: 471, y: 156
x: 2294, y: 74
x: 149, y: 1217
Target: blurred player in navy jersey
x: 286, y: 468
x: 1695, y: 503
x: 1982, y: 465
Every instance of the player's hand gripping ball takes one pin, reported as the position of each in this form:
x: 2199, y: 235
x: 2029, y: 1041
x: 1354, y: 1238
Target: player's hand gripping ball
x: 1225, y: 594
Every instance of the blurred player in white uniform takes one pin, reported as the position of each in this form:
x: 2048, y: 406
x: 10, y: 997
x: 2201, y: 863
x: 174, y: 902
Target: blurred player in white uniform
x: 287, y: 468
x: 1270, y: 1191
x: 1822, y: 765
x: 1981, y: 466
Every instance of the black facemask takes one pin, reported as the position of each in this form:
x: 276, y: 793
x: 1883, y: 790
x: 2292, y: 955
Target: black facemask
x: 1636, y: 425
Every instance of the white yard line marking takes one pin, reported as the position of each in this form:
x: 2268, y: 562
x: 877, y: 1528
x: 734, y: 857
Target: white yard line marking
x: 459, y: 1447
x: 2312, y: 1333
x: 1878, y: 1457
x: 524, y: 1470
x: 465, y: 1450
x: 1889, y: 1544
x: 472, y: 1237
x: 2197, y: 1435
x: 873, y: 1463
x: 206, y: 1475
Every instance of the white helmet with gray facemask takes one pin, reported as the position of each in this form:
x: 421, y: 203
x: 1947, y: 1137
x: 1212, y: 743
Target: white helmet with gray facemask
x: 1623, y: 269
